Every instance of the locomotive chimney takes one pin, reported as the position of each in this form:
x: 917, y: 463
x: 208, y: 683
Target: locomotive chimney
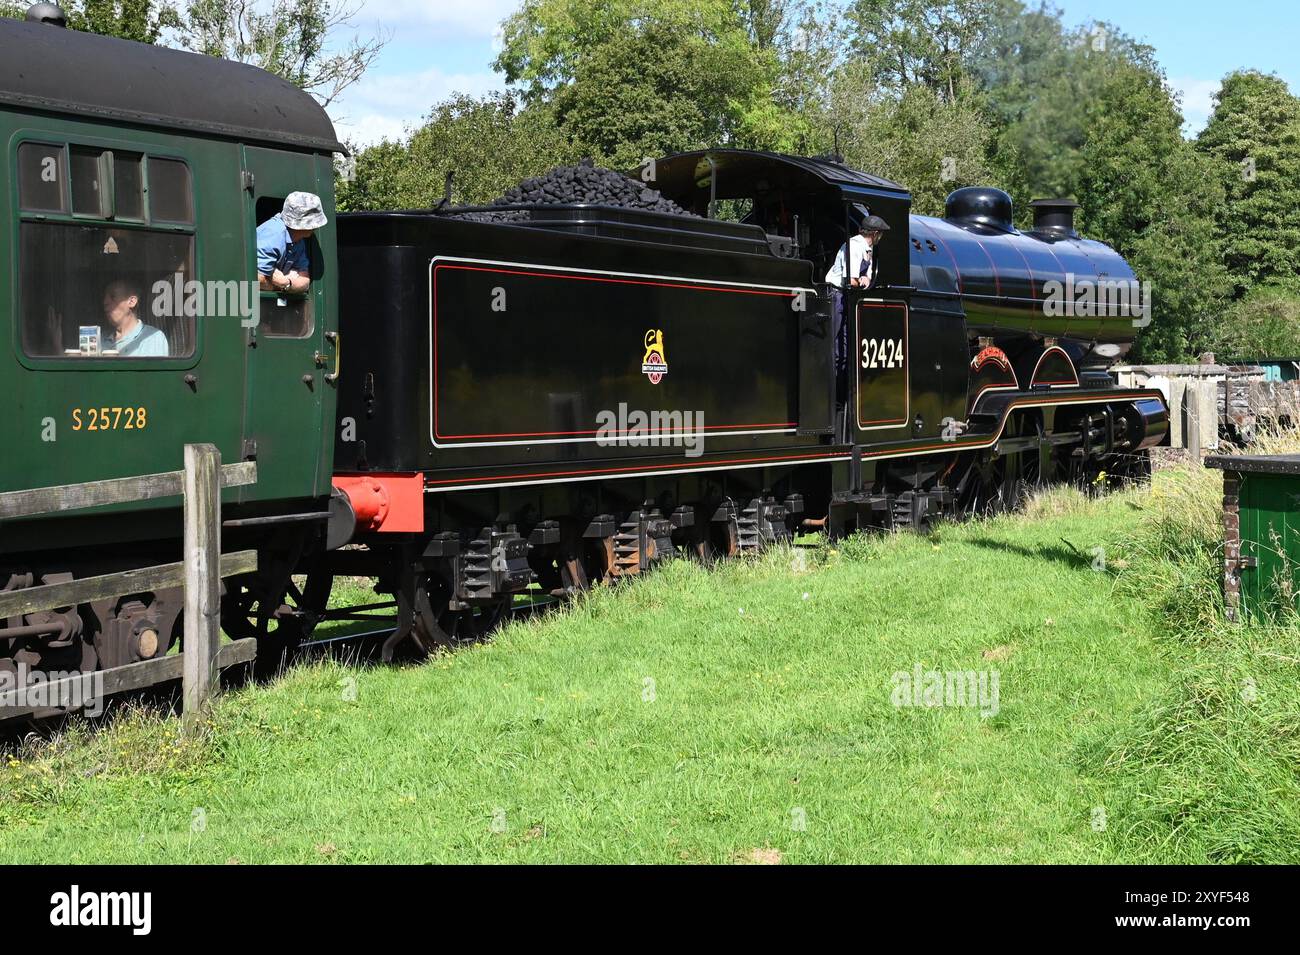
x: 1055, y: 217
x: 50, y: 13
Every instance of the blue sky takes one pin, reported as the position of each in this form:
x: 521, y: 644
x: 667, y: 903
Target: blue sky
x: 443, y: 46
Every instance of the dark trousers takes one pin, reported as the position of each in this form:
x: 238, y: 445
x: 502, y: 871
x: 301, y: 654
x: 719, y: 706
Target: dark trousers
x: 840, y: 334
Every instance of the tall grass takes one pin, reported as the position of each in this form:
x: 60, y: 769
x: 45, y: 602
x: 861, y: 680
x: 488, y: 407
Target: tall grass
x: 1211, y: 770
x: 770, y: 692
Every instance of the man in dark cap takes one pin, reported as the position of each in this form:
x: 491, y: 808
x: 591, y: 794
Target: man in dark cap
x: 873, y: 229
x: 856, y: 259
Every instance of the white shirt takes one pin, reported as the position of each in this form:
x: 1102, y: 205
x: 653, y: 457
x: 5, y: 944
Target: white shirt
x: 859, y: 255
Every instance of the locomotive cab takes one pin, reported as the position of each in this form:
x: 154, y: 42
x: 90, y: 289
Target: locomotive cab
x: 807, y: 207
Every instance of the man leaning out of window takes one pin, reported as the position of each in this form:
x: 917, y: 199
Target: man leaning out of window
x: 283, y: 264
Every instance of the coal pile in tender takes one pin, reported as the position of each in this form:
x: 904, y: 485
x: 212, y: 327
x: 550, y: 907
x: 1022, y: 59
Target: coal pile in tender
x: 584, y: 183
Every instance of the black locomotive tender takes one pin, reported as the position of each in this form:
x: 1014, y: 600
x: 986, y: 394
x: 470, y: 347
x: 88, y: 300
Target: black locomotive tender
x: 579, y: 390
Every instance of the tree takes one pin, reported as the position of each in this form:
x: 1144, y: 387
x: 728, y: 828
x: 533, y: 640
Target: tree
x: 907, y: 43
x: 1266, y: 323
x: 920, y: 138
x: 1254, y: 133
x: 291, y: 38
x: 139, y: 20
x: 490, y: 144
x: 662, y: 87
x: 1151, y: 195
x: 631, y: 78
x: 1038, y: 77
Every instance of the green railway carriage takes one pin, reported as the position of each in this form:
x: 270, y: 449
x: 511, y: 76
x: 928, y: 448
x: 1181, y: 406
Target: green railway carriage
x: 130, y: 169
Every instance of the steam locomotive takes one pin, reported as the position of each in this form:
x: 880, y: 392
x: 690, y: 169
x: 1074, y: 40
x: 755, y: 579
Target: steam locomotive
x: 487, y: 362
x: 546, y: 402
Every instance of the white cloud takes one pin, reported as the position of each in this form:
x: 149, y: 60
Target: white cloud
x: 1198, y: 101
x: 388, y: 104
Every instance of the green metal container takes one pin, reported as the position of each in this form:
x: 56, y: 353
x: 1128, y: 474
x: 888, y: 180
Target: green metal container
x: 1261, y: 533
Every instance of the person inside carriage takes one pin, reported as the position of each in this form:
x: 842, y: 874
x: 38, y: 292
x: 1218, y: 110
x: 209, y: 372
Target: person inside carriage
x: 127, y: 336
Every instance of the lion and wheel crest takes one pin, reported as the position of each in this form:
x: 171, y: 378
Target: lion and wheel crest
x: 654, y: 365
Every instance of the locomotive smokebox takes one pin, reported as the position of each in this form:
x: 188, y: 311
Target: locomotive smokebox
x: 1055, y: 217
x: 979, y: 206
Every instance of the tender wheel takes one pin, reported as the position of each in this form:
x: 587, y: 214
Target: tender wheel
x: 279, y: 622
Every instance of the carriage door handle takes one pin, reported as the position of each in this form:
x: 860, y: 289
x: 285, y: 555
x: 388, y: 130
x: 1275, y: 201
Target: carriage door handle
x: 336, y: 340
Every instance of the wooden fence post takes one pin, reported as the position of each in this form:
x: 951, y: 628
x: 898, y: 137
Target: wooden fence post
x: 202, y: 577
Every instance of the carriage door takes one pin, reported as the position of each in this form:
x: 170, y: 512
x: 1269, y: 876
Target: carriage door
x: 286, y: 355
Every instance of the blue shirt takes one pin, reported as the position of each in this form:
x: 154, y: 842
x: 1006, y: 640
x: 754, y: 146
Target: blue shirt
x: 143, y: 341
x: 277, y: 250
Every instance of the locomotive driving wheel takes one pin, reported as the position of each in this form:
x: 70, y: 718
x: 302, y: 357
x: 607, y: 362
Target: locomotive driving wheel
x: 997, y: 483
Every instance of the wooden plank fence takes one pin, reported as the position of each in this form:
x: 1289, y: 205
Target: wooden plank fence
x: 200, y: 573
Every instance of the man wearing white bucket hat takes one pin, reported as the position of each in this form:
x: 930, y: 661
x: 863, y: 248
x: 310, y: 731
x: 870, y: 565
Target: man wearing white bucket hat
x: 283, y: 264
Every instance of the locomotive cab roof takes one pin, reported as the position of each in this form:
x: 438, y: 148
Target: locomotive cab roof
x: 66, y: 71
x: 741, y: 173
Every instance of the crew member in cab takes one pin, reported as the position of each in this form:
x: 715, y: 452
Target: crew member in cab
x: 862, y: 271
x: 128, y: 336
x: 283, y: 262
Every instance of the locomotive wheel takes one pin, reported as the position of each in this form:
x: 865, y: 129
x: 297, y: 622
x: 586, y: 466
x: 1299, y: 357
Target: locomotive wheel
x: 1000, y: 483
x: 987, y: 487
x: 474, y: 624
x: 562, y: 576
x: 699, y: 544
x: 279, y: 625
x: 725, y: 539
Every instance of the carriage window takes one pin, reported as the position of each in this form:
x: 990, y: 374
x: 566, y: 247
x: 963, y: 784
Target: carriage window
x: 284, y: 314
x: 124, y: 302
x: 169, y: 191
x: 128, y: 185
x: 41, y: 178
x: 91, y: 188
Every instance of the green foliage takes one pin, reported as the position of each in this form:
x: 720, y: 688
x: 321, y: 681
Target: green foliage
x: 666, y: 85
x: 139, y: 20
x: 1038, y: 79
x: 1266, y: 323
x: 908, y: 43
x: 636, y: 78
x: 922, y: 139
x: 490, y: 145
x: 1149, y: 193
x: 1254, y: 133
